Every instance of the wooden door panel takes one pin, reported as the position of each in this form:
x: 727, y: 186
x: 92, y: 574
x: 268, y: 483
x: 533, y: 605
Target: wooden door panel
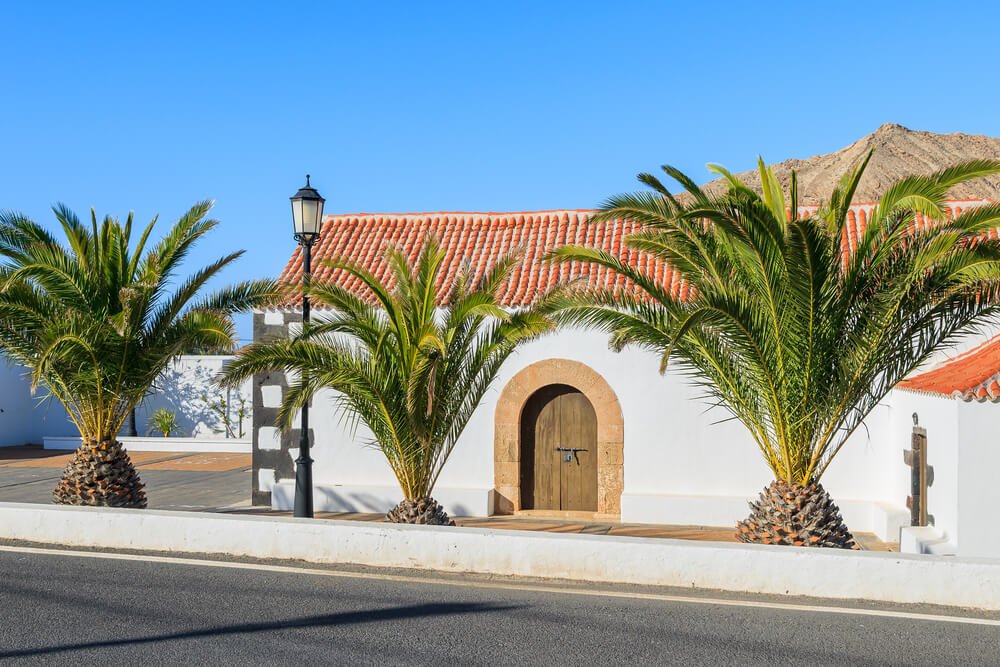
x: 578, y: 476
x: 546, y: 472
x: 557, y: 417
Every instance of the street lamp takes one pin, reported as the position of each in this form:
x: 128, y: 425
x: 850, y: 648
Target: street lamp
x: 307, y: 217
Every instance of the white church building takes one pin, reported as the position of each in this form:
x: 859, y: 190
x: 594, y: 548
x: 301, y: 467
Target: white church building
x: 648, y: 447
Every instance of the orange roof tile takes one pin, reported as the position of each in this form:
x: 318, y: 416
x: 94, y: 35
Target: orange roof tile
x: 479, y: 239
x: 973, y: 375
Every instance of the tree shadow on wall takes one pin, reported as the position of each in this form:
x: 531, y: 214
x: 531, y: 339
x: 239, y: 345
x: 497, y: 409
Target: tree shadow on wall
x: 183, y: 390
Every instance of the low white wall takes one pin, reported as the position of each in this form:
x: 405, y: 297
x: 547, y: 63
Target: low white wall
x: 214, y: 445
x: 822, y: 573
x: 357, y: 498
x: 924, y: 540
x: 27, y: 419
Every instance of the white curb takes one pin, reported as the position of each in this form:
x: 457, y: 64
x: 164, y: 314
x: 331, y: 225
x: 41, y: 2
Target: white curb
x: 156, y: 444
x: 884, y: 577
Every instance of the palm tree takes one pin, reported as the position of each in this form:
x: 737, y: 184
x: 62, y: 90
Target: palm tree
x: 95, y: 321
x: 794, y: 334
x: 411, y: 362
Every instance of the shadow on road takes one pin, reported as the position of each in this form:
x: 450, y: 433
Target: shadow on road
x: 324, y: 620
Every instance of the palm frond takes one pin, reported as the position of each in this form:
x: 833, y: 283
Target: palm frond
x: 786, y: 328
x: 413, y: 367
x: 93, y: 320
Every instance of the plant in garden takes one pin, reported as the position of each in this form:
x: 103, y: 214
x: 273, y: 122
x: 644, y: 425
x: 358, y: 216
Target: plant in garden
x: 795, y: 334
x: 95, y: 320
x: 411, y: 362
x: 163, y: 421
x: 222, y: 410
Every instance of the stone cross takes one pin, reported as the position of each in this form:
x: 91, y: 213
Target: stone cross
x: 921, y: 476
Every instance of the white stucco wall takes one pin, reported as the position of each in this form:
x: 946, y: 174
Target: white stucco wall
x: 27, y: 419
x: 183, y: 389
x: 976, y: 488
x: 684, y: 462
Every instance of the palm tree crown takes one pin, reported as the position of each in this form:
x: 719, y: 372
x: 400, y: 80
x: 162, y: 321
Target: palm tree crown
x: 95, y: 319
x: 412, y: 363
x: 797, y: 336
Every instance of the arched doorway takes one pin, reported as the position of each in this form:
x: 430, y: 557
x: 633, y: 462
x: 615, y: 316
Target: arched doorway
x: 511, y: 493
x: 559, y: 451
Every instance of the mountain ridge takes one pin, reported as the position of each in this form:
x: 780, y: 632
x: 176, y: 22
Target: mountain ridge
x: 899, y: 152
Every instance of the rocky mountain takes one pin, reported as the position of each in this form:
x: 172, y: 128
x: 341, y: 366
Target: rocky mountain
x: 899, y: 152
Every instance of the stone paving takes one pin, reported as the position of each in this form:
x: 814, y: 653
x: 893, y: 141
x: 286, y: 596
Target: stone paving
x: 867, y: 541
x: 174, y: 481
x: 218, y: 482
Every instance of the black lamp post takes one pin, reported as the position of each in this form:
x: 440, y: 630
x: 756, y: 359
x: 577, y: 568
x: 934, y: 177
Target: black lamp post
x: 307, y: 216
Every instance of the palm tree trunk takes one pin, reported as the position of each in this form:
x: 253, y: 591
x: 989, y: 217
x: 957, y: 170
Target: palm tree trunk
x: 100, y: 474
x: 421, y: 511
x: 795, y: 515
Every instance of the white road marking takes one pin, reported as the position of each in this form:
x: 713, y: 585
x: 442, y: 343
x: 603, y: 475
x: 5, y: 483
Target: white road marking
x: 533, y: 588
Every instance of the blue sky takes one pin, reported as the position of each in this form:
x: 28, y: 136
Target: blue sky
x: 403, y: 106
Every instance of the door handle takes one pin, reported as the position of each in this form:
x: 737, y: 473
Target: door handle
x: 572, y: 453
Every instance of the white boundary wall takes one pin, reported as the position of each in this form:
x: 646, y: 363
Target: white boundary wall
x: 183, y: 389
x: 27, y: 419
x: 884, y: 577
x: 155, y: 444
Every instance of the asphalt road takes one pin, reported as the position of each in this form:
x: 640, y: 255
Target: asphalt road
x: 111, y: 611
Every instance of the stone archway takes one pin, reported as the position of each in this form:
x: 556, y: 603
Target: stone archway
x: 507, y: 431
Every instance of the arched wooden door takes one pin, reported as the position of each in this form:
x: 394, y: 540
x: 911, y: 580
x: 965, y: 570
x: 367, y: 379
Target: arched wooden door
x: 559, y: 451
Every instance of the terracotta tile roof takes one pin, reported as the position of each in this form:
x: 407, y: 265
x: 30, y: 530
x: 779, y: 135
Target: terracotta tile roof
x: 480, y: 239
x: 973, y: 375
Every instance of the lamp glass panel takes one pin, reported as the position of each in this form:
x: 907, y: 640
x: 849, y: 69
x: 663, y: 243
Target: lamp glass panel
x: 319, y: 215
x: 297, y: 215
x: 310, y: 216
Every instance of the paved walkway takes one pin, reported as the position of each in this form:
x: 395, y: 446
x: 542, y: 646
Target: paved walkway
x: 867, y: 541
x: 221, y: 482
x: 174, y: 481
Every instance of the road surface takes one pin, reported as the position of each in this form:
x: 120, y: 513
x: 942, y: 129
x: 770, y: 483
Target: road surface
x: 111, y: 609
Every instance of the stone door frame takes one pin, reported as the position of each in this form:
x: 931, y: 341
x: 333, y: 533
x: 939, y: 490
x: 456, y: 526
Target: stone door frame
x: 507, y: 431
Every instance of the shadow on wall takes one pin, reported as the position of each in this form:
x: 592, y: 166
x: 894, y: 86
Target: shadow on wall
x: 379, y: 499
x: 188, y: 388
